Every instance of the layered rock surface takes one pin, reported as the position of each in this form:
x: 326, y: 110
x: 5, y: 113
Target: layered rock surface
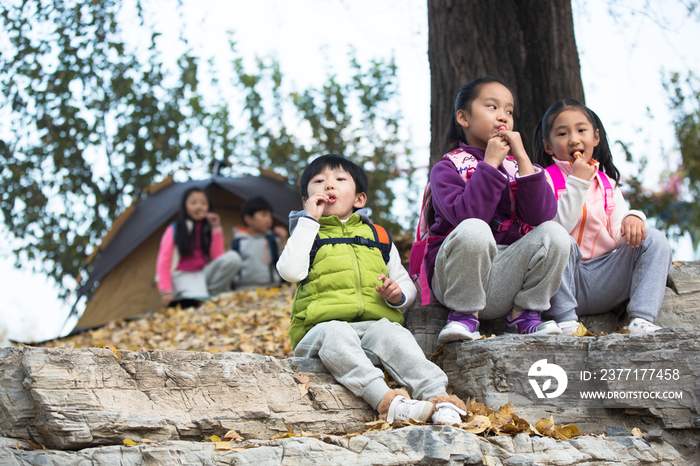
x: 91, y: 400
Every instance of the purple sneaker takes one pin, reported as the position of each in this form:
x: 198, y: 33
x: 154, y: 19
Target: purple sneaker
x: 529, y: 323
x: 460, y: 327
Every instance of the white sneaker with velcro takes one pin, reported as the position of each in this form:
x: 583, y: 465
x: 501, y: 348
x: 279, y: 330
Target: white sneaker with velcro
x: 402, y: 409
x: 449, y: 414
x: 639, y: 326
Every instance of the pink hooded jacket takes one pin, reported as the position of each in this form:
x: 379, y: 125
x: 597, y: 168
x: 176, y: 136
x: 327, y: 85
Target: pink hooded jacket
x: 581, y: 211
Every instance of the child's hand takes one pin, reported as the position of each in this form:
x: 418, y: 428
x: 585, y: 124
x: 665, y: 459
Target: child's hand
x: 314, y: 205
x: 213, y: 219
x: 496, y: 150
x: 282, y: 233
x: 518, y: 151
x: 634, y: 230
x: 389, y: 290
x: 166, y: 298
x: 583, y: 170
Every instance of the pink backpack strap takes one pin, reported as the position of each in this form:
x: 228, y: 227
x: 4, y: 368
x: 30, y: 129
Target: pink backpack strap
x: 464, y: 162
x: 558, y: 180
x: 608, y: 193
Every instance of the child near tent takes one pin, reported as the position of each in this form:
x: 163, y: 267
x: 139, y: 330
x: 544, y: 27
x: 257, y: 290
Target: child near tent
x: 192, y: 261
x: 352, y: 290
x: 258, y: 245
x: 482, y: 264
x: 615, y: 256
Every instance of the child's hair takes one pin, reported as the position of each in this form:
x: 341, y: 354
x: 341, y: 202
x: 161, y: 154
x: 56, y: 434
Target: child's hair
x: 253, y: 205
x: 601, y: 152
x: 333, y: 161
x: 465, y: 97
x: 183, y: 237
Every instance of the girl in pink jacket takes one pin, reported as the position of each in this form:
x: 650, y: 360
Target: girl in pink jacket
x: 616, y: 257
x: 192, y: 262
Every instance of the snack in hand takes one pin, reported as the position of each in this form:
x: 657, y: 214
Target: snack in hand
x: 577, y: 154
x: 502, y: 128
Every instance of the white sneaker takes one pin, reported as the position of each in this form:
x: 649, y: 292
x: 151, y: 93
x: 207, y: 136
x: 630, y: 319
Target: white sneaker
x: 568, y: 327
x: 402, y: 409
x: 448, y: 414
x: 639, y: 326
x: 457, y: 331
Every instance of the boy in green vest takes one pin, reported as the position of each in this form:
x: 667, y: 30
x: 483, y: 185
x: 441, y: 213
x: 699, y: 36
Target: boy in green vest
x: 347, y: 310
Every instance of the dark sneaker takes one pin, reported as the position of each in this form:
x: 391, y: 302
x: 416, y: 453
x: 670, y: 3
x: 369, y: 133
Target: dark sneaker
x: 529, y: 323
x: 459, y: 327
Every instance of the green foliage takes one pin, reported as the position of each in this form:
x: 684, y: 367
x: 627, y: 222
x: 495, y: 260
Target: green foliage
x: 675, y: 207
x: 90, y: 125
x: 356, y: 119
x: 93, y: 121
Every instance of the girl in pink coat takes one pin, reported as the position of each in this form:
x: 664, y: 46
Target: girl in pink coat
x: 192, y: 262
x: 616, y: 257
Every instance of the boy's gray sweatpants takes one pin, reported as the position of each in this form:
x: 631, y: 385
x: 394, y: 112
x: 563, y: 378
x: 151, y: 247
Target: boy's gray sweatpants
x: 599, y: 285
x: 473, y: 273
x: 351, y: 350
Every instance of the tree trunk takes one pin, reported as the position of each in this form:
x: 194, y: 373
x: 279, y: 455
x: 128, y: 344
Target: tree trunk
x: 530, y: 43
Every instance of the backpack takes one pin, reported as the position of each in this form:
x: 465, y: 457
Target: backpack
x: 382, y: 241
x: 559, y: 183
x: 465, y: 164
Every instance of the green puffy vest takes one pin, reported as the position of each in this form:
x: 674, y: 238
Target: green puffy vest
x: 340, y: 284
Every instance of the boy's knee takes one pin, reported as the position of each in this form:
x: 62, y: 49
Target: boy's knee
x: 383, y: 328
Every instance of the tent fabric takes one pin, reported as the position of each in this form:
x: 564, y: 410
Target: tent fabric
x: 127, y: 262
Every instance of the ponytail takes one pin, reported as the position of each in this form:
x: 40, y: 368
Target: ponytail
x: 539, y: 154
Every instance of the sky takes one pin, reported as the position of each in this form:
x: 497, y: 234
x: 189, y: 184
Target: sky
x: 622, y: 61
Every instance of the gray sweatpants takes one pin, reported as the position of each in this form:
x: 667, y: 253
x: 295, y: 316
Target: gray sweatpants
x: 473, y: 273
x: 213, y: 279
x: 352, y: 350
x: 599, y: 285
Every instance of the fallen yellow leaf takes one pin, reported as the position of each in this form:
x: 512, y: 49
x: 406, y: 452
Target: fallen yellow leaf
x: 303, y: 389
x: 129, y: 443
x: 477, y: 424
x: 233, y: 435
x: 222, y: 446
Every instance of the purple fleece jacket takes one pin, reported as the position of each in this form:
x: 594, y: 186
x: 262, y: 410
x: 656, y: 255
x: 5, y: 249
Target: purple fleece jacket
x: 486, y: 196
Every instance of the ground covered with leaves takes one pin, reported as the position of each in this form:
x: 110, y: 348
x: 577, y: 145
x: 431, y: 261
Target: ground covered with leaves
x: 250, y: 321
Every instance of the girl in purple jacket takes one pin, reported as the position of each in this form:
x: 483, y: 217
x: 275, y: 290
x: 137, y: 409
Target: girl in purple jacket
x: 486, y: 194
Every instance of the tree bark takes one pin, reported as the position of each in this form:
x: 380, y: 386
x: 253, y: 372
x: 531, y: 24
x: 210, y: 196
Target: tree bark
x: 530, y: 43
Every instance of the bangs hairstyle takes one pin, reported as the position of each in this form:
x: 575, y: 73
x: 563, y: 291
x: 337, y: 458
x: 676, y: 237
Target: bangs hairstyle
x: 184, y: 238
x: 466, y: 95
x: 601, y: 153
x: 332, y: 162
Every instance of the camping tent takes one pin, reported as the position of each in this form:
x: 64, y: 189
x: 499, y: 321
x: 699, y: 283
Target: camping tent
x: 122, y: 281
